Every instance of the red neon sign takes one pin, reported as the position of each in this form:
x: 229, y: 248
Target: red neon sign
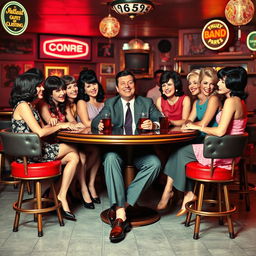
x: 64, y: 47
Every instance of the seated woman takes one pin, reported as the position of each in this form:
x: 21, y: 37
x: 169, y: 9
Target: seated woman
x: 173, y: 103
x: 208, y: 104
x: 53, y: 110
x: 231, y: 120
x: 202, y: 84
x: 27, y: 88
x: 71, y: 96
x: 90, y: 100
x: 89, y: 104
x: 176, y: 106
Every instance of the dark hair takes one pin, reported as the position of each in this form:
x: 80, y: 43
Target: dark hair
x: 158, y: 71
x: 54, y: 83
x: 235, y: 80
x: 24, y: 88
x: 165, y: 77
x: 36, y: 71
x: 124, y: 73
x: 68, y: 80
x: 89, y: 76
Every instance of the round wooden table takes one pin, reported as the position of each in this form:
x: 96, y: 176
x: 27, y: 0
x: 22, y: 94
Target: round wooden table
x: 138, y: 215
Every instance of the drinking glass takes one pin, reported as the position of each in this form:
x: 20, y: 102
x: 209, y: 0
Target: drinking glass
x: 143, y: 117
x: 106, y: 121
x: 164, y: 122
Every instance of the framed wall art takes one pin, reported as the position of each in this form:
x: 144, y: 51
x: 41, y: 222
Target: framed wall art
x: 105, y: 50
x: 56, y: 70
x: 191, y: 44
x: 107, y: 69
x: 10, y: 70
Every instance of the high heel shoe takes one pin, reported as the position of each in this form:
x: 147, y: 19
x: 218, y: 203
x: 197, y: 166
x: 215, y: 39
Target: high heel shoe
x: 68, y: 215
x: 95, y: 200
x: 89, y: 205
x: 184, y: 211
x: 163, y: 206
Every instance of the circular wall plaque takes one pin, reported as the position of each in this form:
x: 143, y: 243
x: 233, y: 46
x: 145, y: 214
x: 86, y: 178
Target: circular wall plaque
x: 14, y: 18
x: 215, y: 35
x: 164, y: 46
x: 251, y: 41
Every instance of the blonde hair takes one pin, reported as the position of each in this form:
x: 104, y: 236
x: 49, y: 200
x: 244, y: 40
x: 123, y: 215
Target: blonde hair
x: 193, y: 72
x: 210, y: 72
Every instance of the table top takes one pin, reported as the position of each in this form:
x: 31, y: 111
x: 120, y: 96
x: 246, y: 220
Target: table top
x: 172, y: 135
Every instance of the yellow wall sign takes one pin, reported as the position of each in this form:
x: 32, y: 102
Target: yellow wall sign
x: 215, y: 34
x: 14, y: 18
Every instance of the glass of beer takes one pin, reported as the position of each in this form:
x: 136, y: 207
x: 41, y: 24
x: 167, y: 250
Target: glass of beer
x: 106, y: 121
x: 164, y: 122
x: 143, y: 117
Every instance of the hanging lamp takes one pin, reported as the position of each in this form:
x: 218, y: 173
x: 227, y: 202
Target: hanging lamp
x: 109, y: 26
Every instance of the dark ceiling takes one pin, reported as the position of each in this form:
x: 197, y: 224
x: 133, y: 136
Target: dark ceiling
x: 82, y: 17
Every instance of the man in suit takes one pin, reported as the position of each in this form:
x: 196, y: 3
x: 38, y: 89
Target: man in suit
x: 125, y: 110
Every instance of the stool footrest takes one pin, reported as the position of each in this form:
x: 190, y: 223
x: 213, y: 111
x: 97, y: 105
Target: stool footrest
x: 190, y: 207
x: 36, y: 210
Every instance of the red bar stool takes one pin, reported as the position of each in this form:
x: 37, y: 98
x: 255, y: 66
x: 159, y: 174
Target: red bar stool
x: 25, y: 145
x: 226, y: 147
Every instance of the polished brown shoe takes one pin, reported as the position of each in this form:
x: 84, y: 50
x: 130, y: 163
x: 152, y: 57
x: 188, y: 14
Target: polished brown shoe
x: 118, y: 230
x: 111, y: 215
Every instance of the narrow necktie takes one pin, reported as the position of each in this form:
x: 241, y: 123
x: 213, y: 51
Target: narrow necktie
x: 128, y: 120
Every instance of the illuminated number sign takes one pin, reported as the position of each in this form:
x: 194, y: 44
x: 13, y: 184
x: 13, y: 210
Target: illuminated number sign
x: 132, y: 8
x: 251, y: 41
x: 58, y: 47
x: 14, y: 18
x: 215, y: 35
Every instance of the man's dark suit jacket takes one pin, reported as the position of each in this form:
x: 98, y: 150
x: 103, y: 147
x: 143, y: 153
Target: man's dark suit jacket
x: 115, y: 108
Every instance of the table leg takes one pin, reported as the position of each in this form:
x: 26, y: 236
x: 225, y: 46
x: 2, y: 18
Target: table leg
x: 138, y: 215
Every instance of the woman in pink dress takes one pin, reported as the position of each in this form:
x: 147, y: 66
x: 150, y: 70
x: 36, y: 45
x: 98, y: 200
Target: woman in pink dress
x: 231, y: 120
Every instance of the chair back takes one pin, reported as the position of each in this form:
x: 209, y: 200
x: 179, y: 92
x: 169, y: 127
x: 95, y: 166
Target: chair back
x: 5, y: 124
x: 21, y: 144
x: 228, y: 146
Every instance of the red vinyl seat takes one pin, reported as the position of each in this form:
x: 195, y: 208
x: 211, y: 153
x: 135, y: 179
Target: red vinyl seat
x: 25, y: 146
x: 226, y: 147
x: 195, y: 170
x: 36, y: 170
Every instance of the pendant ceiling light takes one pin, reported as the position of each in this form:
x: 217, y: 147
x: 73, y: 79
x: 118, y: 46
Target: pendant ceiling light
x: 109, y: 26
x: 239, y: 12
x: 132, y: 7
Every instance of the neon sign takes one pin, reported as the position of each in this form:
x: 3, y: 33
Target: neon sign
x: 65, y: 47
